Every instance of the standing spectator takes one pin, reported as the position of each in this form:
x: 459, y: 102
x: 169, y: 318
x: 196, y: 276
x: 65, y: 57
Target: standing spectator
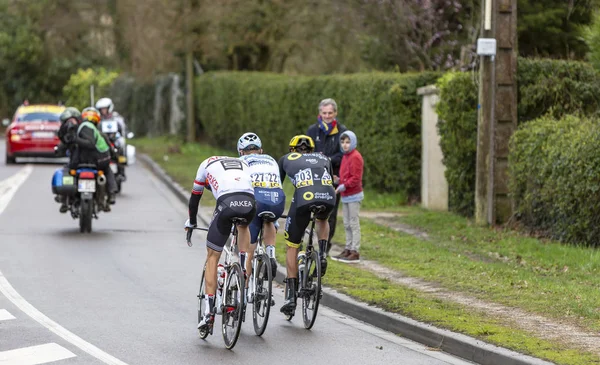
x: 326, y: 134
x: 350, y: 187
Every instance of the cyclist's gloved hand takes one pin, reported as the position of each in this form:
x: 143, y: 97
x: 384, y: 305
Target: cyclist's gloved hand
x: 189, y: 225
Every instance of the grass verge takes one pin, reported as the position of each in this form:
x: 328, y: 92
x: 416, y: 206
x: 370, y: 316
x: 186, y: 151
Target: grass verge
x: 502, y: 266
x: 368, y: 288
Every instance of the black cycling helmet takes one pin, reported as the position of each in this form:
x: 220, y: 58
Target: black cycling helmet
x: 70, y: 112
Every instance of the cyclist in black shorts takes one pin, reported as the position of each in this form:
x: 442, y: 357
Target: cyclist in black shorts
x: 311, y: 176
x: 229, y: 180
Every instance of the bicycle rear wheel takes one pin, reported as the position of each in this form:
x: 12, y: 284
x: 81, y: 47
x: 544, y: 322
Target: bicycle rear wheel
x: 311, y: 289
x: 203, y: 332
x: 261, y: 306
x: 233, y: 309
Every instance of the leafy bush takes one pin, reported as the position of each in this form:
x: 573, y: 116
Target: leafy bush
x: 459, y: 138
x: 555, y: 177
x: 552, y: 87
x: 383, y: 109
x: 77, y: 89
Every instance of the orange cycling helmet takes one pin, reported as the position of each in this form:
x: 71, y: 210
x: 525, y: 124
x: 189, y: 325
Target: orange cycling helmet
x: 90, y: 115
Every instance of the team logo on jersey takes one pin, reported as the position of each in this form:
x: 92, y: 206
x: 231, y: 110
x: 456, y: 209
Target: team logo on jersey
x: 312, y: 161
x: 323, y: 196
x: 212, y: 181
x: 294, y: 156
x: 308, y: 196
x: 240, y: 203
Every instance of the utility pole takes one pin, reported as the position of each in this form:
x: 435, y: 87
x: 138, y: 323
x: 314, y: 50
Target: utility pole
x: 497, y: 117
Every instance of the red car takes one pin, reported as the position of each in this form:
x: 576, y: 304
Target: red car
x: 33, y: 132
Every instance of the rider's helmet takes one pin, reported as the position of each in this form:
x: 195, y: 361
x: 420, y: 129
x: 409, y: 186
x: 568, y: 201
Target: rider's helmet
x: 248, y: 141
x: 105, y: 103
x: 68, y: 113
x: 302, y: 143
x: 91, y: 115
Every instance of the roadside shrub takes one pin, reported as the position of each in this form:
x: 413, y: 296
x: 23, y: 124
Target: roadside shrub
x: 555, y: 177
x: 545, y: 87
x: 383, y: 109
x: 77, y: 89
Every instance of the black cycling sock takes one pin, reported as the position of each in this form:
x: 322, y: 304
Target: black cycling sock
x: 323, y: 247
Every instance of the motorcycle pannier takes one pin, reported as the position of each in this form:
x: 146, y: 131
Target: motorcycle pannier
x: 63, y: 183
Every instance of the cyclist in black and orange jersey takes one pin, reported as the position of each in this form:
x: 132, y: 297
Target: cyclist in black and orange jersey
x: 311, y: 176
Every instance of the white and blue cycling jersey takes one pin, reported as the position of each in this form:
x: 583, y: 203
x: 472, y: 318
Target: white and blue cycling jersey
x: 268, y: 191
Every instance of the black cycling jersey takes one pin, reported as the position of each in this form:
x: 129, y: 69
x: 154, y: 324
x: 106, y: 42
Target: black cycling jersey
x: 310, y: 174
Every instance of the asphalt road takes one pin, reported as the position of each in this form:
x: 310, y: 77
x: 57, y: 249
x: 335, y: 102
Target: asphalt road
x: 126, y: 294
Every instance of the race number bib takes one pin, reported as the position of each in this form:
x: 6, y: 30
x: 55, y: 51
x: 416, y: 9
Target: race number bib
x: 304, y: 178
x: 326, y: 179
x: 265, y: 180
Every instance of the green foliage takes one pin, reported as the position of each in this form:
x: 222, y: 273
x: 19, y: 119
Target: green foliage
x: 40, y: 47
x: 552, y: 28
x: 383, y: 109
x: 557, y: 88
x: 555, y: 169
x: 458, y: 127
x: 77, y: 89
x: 591, y: 34
x: 545, y: 86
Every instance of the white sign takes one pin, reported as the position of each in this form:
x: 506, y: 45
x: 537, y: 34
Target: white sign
x: 486, y: 47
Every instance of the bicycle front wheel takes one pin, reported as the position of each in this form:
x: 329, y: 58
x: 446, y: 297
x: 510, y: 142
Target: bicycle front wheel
x: 311, y: 289
x: 201, y: 304
x: 233, y: 309
x: 261, y: 307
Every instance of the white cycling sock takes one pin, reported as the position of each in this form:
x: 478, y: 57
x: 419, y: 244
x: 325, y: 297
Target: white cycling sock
x: 271, y: 251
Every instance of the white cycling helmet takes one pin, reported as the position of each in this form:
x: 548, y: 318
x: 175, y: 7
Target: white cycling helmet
x: 248, y: 141
x: 105, y: 103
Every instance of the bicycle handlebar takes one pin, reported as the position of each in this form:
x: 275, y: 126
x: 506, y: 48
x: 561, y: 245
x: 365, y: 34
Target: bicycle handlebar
x: 189, y: 234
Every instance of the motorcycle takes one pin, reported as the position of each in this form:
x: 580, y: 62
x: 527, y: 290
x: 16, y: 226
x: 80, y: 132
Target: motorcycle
x: 110, y: 127
x: 84, y: 191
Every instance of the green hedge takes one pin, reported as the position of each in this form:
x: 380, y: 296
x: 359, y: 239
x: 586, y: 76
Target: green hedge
x: 550, y: 87
x: 555, y: 177
x: 383, y: 109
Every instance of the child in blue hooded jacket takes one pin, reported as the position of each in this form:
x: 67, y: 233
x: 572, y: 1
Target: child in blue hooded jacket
x: 350, y: 188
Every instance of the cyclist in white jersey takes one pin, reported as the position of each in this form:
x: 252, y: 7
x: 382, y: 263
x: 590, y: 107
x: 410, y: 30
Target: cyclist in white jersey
x: 268, y: 194
x: 229, y: 180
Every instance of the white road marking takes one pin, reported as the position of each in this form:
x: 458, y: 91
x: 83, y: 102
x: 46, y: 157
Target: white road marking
x: 12, y: 295
x: 5, y: 315
x: 33, y: 355
x: 9, y: 186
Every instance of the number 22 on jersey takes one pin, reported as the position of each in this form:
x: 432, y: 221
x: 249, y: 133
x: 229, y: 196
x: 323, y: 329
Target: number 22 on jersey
x: 265, y: 180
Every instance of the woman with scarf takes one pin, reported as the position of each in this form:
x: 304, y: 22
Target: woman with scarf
x: 326, y: 134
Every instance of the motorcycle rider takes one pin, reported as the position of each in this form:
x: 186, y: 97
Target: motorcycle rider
x: 106, y: 108
x: 70, y: 119
x: 92, y: 147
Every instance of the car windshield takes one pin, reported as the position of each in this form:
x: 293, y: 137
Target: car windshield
x: 37, y: 116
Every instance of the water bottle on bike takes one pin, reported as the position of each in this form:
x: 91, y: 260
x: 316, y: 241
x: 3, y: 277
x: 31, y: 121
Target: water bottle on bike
x: 301, y: 264
x: 220, y: 283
